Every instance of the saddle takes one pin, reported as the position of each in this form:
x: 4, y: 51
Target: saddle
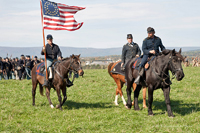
x: 137, y: 63
x: 40, y: 70
x: 117, y: 69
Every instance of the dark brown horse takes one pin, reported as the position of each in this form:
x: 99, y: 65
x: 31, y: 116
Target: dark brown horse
x: 157, y: 76
x: 120, y: 80
x: 61, y: 70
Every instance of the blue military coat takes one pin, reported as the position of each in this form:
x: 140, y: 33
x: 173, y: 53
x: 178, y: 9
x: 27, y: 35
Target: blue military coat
x: 152, y: 44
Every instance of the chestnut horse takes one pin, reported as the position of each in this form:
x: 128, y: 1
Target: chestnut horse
x: 61, y: 70
x: 120, y: 80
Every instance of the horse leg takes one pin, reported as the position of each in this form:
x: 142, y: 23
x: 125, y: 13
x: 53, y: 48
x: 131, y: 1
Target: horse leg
x: 136, y: 94
x: 48, y: 97
x: 128, y: 91
x: 144, y: 97
x: 166, y: 92
x: 59, y: 98
x: 64, y: 99
x: 34, y: 86
x: 150, y: 100
x: 134, y: 87
x: 121, y: 93
x: 118, y: 90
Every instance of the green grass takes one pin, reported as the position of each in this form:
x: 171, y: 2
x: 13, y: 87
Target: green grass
x: 90, y: 107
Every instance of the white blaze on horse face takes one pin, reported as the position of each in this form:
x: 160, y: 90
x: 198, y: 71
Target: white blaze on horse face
x: 116, y: 97
x: 124, y: 102
x: 52, y: 106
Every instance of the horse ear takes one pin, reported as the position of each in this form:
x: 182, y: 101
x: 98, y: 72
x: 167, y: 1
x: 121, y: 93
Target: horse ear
x: 173, y: 52
x: 79, y: 55
x: 72, y: 56
x: 180, y: 51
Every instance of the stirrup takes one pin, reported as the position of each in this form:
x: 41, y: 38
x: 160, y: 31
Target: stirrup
x: 137, y: 80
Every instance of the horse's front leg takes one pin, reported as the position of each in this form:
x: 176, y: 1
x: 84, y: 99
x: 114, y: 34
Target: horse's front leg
x: 128, y: 91
x: 64, y: 95
x: 150, y: 100
x: 48, y: 97
x: 59, y: 97
x: 136, y: 94
x: 166, y: 92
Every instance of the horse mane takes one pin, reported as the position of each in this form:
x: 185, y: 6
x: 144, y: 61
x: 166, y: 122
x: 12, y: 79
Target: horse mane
x: 167, y: 51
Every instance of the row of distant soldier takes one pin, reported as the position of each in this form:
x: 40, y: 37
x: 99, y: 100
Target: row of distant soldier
x: 17, y: 68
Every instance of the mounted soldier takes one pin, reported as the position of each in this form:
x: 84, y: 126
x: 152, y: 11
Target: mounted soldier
x: 129, y: 51
x: 150, y: 47
x: 52, y: 54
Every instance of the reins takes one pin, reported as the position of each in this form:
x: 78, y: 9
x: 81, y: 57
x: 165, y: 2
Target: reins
x: 167, y: 76
x: 69, y: 68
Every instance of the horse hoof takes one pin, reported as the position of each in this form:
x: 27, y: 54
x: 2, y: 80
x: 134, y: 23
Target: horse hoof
x: 57, y: 106
x: 124, y: 104
x: 151, y: 114
x: 127, y: 107
x: 144, y: 107
x: 172, y: 116
x: 52, y: 106
x: 116, y: 103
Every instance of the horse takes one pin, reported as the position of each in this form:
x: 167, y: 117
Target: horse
x: 120, y: 80
x: 61, y: 70
x: 157, y: 76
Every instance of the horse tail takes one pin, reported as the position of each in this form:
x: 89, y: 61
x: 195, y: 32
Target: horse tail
x: 109, y: 68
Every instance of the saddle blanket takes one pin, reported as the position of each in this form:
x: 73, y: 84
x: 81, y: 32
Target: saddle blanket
x: 40, y: 68
x: 139, y: 60
x: 117, y: 69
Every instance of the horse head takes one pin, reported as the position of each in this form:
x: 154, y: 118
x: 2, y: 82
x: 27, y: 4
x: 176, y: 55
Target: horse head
x: 175, y: 66
x: 76, y: 64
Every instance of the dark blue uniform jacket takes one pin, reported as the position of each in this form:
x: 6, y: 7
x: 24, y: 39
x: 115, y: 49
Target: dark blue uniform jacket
x: 152, y: 44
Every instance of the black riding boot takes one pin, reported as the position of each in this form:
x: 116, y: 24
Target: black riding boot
x: 69, y: 83
x: 46, y: 81
x: 141, y: 72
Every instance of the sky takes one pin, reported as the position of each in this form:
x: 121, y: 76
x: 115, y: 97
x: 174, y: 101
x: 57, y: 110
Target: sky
x: 106, y: 23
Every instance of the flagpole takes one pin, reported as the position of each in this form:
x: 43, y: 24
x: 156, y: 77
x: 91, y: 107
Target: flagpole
x: 45, y: 56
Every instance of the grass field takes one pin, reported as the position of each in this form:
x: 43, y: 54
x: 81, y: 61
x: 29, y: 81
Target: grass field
x: 90, y: 107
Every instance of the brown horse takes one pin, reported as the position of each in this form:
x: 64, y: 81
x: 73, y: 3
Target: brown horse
x: 120, y: 80
x: 61, y: 70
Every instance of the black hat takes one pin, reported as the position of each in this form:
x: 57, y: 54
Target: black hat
x: 150, y: 29
x: 129, y: 36
x: 49, y: 37
x: 28, y: 56
x: 16, y: 58
x: 35, y: 56
x: 22, y: 55
x: 6, y: 57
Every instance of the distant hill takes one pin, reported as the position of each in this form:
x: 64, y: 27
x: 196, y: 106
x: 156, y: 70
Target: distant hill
x: 66, y: 51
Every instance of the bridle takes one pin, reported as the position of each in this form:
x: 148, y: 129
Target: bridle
x: 70, y: 68
x: 173, y: 70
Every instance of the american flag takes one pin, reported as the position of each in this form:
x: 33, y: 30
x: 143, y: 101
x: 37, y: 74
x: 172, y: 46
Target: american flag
x: 57, y: 16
